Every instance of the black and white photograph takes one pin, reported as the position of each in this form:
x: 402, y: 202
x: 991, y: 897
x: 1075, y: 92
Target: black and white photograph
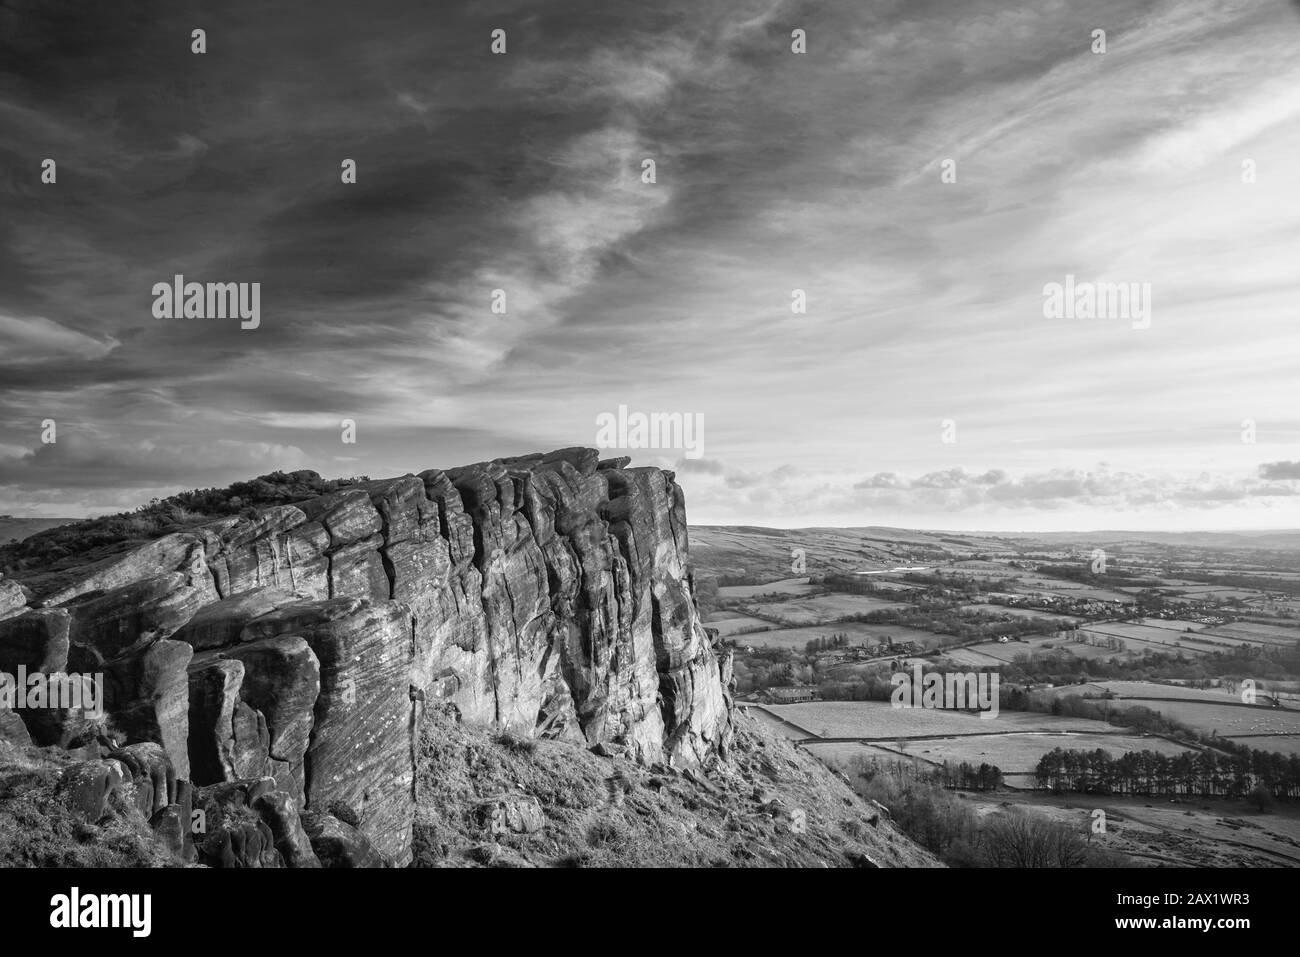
x: 702, y: 435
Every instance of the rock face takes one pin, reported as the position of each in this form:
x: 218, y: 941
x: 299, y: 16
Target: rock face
x: 290, y: 654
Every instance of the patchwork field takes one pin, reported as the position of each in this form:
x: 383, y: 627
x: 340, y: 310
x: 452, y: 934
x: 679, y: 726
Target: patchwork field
x: 880, y: 720
x: 788, y: 586
x: 1180, y: 625
x: 841, y: 754
x: 858, y: 634
x: 1149, y: 689
x: 1227, y: 719
x: 1139, y: 637
x: 987, y: 655
x: 1257, y: 633
x: 821, y: 609
x: 730, y: 624
x: 1153, y: 633
x: 1015, y: 612
x: 1018, y: 754
x: 1151, y: 831
x: 993, y: 653
x: 1014, y: 741
x: 1215, y: 709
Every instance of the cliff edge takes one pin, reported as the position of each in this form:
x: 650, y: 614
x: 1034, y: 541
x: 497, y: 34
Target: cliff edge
x: 284, y: 658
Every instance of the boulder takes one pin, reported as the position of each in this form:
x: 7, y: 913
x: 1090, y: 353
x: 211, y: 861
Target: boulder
x: 511, y: 813
x: 86, y: 788
x: 337, y: 844
x: 13, y: 598
x: 234, y: 834
x: 151, y: 773
x: 12, y: 729
x: 280, y: 812
x: 170, y: 827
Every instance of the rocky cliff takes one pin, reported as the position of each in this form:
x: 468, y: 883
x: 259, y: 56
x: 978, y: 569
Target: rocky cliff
x: 258, y: 667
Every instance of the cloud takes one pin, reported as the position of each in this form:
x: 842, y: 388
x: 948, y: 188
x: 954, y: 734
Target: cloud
x: 34, y: 339
x: 971, y: 499
x: 1280, y: 470
x: 79, y: 462
x: 776, y: 172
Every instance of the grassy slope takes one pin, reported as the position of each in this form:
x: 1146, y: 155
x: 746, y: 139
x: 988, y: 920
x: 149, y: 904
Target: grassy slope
x: 736, y: 815
x: 37, y: 830
x: 664, y: 818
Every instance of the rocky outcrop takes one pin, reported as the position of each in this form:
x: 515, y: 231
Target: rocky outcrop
x: 359, y: 750
x: 13, y: 598
x: 545, y: 595
x: 36, y: 640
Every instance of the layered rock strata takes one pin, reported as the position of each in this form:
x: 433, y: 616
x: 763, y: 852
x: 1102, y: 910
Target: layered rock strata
x: 280, y: 664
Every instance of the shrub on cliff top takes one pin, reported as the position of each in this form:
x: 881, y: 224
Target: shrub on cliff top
x: 74, y: 542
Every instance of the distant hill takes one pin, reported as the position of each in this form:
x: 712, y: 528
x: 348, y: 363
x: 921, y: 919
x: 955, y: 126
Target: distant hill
x: 20, y: 528
x: 747, y: 554
x: 1285, y: 539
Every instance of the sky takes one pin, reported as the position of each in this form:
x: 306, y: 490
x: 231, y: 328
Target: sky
x: 922, y: 172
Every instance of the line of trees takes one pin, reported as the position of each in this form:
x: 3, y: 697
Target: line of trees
x: 969, y: 777
x: 1189, y: 774
x: 1059, y: 666
x: 948, y: 827
x: 824, y: 643
x: 948, y: 620
x: 1085, y: 575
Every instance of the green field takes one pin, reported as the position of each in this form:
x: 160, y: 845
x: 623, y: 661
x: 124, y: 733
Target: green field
x: 821, y: 609
x: 879, y: 719
x: 1215, y: 709
x: 788, y: 586
x: 858, y: 634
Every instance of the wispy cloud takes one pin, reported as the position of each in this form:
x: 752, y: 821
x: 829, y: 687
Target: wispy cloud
x: 775, y: 171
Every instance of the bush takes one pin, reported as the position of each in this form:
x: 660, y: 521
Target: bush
x: 604, y: 834
x: 159, y: 517
x: 1021, y: 840
x: 930, y: 815
x: 516, y: 744
x: 1261, y: 797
